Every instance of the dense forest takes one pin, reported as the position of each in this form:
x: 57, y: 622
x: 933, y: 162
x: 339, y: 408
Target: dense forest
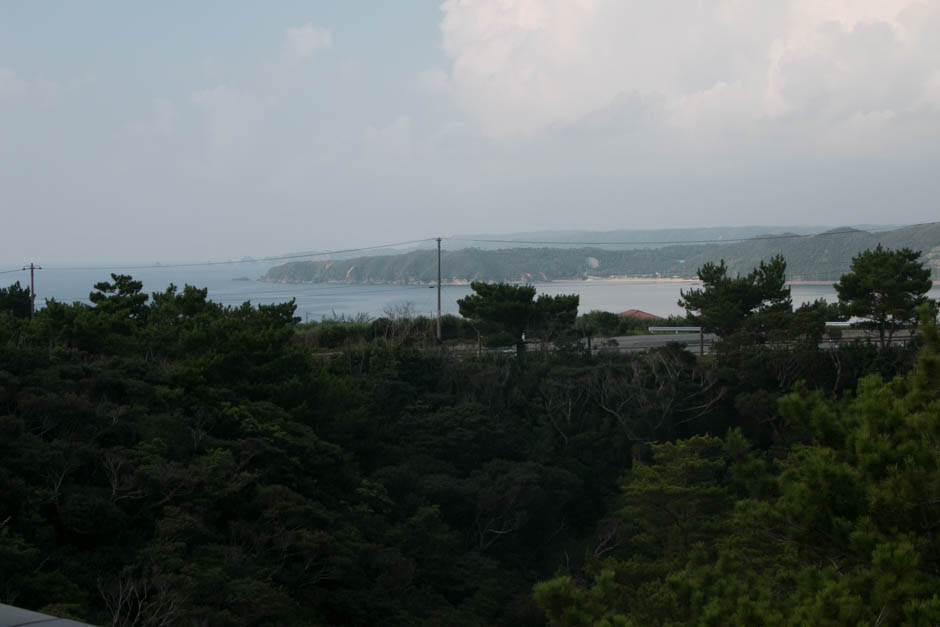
x: 824, y: 256
x: 169, y: 461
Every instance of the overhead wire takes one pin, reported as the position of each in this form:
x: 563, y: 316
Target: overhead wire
x: 159, y: 266
x: 726, y: 240
x: 241, y: 261
x: 845, y: 264
x: 284, y: 294
x: 287, y: 294
x: 303, y: 288
x: 319, y: 290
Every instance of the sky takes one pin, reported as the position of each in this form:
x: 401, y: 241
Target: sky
x: 179, y: 130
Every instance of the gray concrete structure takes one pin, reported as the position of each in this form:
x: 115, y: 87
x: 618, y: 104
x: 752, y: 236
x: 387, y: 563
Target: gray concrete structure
x: 16, y: 617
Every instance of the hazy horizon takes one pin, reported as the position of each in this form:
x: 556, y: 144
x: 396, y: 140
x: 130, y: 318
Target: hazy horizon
x: 450, y: 242
x: 171, y: 132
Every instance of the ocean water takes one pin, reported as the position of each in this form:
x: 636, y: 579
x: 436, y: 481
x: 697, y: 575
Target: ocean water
x: 316, y: 301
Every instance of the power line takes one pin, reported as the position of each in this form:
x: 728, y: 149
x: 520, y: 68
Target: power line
x: 470, y: 239
x: 302, y: 289
x: 319, y: 290
x: 284, y: 294
x: 354, y: 290
x: 313, y: 289
x: 726, y: 240
x: 230, y: 262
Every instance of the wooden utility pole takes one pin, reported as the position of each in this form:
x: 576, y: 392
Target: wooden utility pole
x: 438, y: 290
x: 32, y: 287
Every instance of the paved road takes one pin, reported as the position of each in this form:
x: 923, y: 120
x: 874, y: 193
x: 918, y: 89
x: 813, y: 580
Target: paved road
x: 631, y: 343
x: 644, y: 342
x: 17, y: 617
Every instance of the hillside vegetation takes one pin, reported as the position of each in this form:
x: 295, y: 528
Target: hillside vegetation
x: 824, y: 256
x: 471, y: 264
x: 166, y: 460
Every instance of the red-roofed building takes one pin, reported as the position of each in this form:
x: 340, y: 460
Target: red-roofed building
x: 636, y: 313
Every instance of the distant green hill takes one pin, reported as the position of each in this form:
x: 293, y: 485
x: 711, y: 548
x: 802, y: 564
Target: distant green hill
x: 824, y: 256
x: 624, y: 238
x: 473, y: 264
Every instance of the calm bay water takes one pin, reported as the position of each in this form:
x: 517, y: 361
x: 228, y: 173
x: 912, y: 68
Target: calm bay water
x: 315, y: 301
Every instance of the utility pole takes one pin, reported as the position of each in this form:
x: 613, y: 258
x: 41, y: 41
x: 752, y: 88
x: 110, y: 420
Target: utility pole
x: 438, y: 290
x: 32, y: 287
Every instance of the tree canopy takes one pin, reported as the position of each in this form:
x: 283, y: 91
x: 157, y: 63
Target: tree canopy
x: 170, y: 460
x: 884, y: 287
x: 725, y: 304
x: 513, y: 309
x: 15, y: 300
x: 839, y: 530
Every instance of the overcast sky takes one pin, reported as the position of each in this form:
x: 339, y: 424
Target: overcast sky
x: 196, y: 130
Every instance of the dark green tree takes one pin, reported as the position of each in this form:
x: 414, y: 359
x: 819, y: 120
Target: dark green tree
x: 123, y: 298
x: 502, y: 307
x: 15, y: 300
x: 885, y: 287
x: 512, y: 309
x: 726, y: 305
x: 599, y: 323
x: 556, y: 315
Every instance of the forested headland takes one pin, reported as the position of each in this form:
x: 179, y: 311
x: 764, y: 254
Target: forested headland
x: 823, y: 256
x: 169, y: 461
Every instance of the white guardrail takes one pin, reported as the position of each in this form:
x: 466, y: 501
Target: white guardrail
x: 838, y: 325
x: 675, y: 329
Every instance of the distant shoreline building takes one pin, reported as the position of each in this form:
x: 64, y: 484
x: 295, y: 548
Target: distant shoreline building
x: 642, y: 315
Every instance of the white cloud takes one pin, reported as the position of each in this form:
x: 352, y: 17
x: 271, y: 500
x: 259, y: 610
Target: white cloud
x: 389, y: 145
x: 713, y: 108
x: 233, y: 123
x: 40, y: 90
x: 10, y: 83
x: 545, y: 114
x: 435, y: 81
x: 520, y: 66
x: 161, y: 123
x: 931, y: 95
x: 302, y: 41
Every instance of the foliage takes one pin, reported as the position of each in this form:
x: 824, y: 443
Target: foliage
x: 122, y: 298
x: 15, y: 301
x: 822, y: 257
x: 884, y: 287
x: 505, y: 265
x: 555, y: 315
x: 817, y: 257
x: 512, y: 310
x: 726, y: 305
x: 165, y: 459
x: 508, y: 307
x: 606, y: 324
x: 837, y: 530
x: 355, y: 331
x: 600, y: 324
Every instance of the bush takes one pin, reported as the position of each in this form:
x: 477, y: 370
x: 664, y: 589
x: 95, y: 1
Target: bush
x: 501, y: 338
x: 334, y: 332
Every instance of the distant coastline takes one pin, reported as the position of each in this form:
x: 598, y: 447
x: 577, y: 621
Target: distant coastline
x: 608, y: 280
x: 818, y: 259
